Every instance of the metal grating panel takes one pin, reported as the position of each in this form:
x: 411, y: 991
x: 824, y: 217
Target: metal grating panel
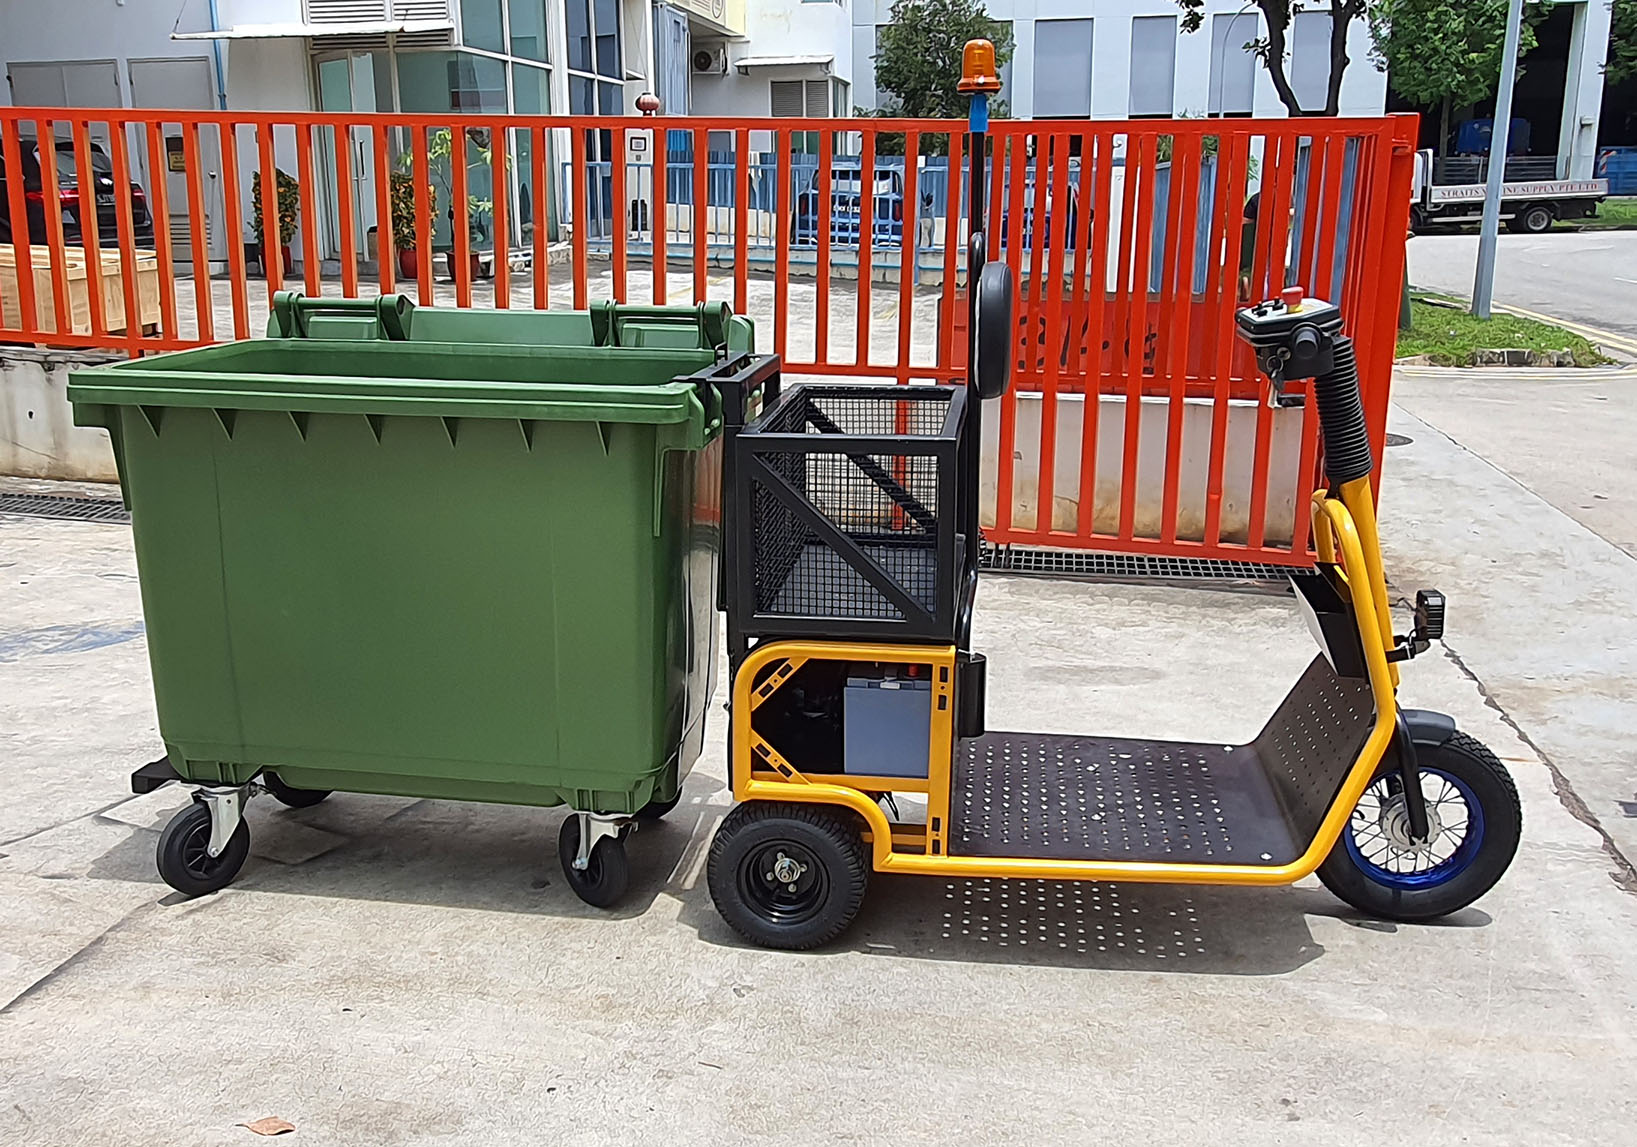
x: 55, y: 506
x: 1074, y: 563
x: 1046, y: 796
x: 345, y: 11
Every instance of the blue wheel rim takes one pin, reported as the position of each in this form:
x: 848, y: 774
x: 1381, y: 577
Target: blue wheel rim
x: 1392, y: 867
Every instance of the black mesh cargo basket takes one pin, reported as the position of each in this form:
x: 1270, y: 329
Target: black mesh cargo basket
x: 845, y: 514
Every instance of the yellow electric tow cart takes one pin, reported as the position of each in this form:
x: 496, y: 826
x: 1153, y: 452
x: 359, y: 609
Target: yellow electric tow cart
x: 852, y: 568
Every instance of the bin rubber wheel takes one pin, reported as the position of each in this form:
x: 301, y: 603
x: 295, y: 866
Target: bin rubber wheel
x: 1476, y: 820
x: 289, y: 795
x: 658, y: 809
x: 608, y: 873
x: 787, y: 875
x: 183, y: 857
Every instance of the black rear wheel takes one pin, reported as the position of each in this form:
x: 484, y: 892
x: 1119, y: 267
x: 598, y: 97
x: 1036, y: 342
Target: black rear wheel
x: 788, y: 875
x: 607, y: 873
x: 1475, y: 821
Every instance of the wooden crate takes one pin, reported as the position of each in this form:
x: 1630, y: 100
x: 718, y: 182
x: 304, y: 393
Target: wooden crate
x: 76, y: 272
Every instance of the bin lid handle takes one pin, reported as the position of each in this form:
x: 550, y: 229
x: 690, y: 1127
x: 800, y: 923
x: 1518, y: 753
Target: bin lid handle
x: 608, y: 320
x: 292, y: 310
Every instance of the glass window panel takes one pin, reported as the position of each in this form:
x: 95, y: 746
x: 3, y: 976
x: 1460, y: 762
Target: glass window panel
x: 1062, y: 68
x: 528, y: 20
x: 607, y: 16
x: 581, y: 96
x: 611, y: 99
x: 480, y: 25
x: 476, y: 84
x: 1153, y: 64
x: 1233, y: 69
x: 1310, y: 59
x: 577, y: 13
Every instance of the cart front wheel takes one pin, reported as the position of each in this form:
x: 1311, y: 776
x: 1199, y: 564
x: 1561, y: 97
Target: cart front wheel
x: 183, y: 855
x: 787, y: 875
x: 607, y: 873
x: 289, y: 795
x: 1474, y: 819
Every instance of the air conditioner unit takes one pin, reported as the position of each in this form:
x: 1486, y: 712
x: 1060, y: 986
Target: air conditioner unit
x: 711, y: 61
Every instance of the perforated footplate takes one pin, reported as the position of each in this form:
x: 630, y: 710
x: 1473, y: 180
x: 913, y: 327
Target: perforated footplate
x: 1043, y: 796
x: 1046, y: 796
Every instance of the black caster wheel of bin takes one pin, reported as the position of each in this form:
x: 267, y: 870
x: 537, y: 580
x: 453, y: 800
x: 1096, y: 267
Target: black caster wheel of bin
x: 1475, y: 820
x: 788, y: 875
x: 288, y: 795
x: 605, y: 878
x: 658, y: 809
x: 183, y: 855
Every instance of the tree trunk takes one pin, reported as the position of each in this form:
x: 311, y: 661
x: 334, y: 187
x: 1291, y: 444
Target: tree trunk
x: 1278, y: 18
x: 1341, y: 17
x: 1443, y: 127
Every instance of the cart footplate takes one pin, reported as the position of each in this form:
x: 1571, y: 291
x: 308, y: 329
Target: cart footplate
x: 1059, y: 797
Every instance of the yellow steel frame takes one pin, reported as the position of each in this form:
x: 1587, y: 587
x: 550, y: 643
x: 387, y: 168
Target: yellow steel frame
x: 1344, y: 528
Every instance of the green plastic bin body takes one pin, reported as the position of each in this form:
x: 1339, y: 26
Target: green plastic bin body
x: 432, y: 569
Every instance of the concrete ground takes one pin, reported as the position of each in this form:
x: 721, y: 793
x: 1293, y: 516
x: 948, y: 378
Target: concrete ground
x: 1589, y: 277
x: 394, y: 972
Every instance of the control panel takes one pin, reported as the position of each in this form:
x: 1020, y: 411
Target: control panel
x: 1293, y: 337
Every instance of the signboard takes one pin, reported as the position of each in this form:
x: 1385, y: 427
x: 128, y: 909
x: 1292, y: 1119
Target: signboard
x: 1538, y: 189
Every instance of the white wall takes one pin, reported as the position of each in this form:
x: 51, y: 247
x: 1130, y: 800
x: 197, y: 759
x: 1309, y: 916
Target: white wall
x: 1363, y: 92
x: 778, y: 28
x: 60, y: 30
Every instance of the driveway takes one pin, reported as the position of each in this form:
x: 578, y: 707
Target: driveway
x: 1587, y: 276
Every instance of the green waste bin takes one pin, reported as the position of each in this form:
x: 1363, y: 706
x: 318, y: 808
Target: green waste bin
x: 450, y: 554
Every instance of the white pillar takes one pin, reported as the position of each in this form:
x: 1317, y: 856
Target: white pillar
x: 1583, y: 90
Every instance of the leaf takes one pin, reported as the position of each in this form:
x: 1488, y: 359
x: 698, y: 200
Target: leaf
x: 270, y: 1125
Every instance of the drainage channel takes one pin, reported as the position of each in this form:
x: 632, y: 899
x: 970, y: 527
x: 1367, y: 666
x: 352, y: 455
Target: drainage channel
x: 73, y: 509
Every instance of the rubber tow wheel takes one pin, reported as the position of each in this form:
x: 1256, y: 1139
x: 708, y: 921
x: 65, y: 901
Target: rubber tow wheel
x: 289, y: 795
x: 607, y: 874
x: 657, y: 809
x: 787, y: 875
x: 1474, y: 820
x: 183, y: 855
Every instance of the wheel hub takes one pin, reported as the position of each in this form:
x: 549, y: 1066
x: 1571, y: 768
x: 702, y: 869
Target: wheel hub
x: 1394, y: 822
x: 786, y: 871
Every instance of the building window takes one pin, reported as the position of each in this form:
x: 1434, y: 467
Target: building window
x: 451, y: 82
x: 1233, y: 67
x: 480, y: 25
x: 1062, y: 68
x: 528, y: 28
x: 1310, y: 59
x: 1153, y: 65
x: 791, y: 99
x: 841, y: 98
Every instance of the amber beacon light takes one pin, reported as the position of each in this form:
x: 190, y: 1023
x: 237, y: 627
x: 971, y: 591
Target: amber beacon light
x: 978, y: 72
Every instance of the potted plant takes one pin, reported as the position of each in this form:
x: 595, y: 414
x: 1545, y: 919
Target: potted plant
x: 439, y: 154
x: 403, y: 222
x: 289, y: 206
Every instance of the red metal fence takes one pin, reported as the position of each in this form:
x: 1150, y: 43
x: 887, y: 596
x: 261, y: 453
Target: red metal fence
x: 1132, y: 424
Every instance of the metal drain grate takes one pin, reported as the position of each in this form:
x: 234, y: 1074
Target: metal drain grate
x: 57, y: 506
x: 1019, y: 559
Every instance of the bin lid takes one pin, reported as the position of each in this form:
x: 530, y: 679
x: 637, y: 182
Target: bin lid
x: 602, y: 384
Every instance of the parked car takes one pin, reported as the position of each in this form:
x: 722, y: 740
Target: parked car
x: 70, y: 198
x: 1028, y: 218
x: 846, y: 195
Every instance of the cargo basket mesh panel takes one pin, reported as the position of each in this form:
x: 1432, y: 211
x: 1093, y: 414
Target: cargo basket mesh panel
x: 885, y: 501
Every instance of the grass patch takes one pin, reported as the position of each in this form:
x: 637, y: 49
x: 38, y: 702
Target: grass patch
x: 1450, y: 335
x: 1612, y: 215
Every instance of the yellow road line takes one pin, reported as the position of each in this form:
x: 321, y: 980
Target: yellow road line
x: 1624, y: 343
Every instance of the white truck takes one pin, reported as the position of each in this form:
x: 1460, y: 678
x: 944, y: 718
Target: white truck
x: 1451, y: 190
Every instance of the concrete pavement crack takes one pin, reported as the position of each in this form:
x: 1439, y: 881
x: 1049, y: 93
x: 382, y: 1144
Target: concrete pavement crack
x: 84, y: 951
x: 62, y: 823
x: 1625, y: 874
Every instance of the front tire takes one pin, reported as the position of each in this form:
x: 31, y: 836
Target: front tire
x: 787, y: 876
x: 1476, y: 821
x: 183, y: 855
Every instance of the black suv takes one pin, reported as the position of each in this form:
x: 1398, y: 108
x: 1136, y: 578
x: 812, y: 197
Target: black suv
x: 70, y: 197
